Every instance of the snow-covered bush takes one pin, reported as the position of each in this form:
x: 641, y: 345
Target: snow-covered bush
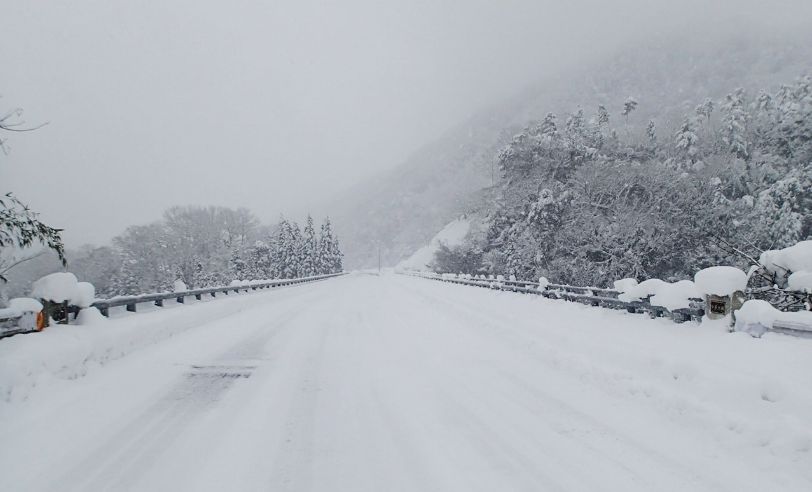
x: 56, y: 287
x: 755, y: 317
x: 642, y: 290
x: 625, y: 284
x: 676, y: 296
x: 543, y: 283
x: 179, y: 286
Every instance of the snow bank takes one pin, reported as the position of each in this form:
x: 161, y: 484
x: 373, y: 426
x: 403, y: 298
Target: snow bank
x: 25, y: 304
x: 676, y: 295
x: 56, y: 287
x: 451, y: 235
x: 796, y: 258
x: 720, y: 280
x: 90, y: 316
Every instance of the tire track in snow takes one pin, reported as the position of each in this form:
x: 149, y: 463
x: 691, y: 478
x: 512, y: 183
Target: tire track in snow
x: 129, y: 454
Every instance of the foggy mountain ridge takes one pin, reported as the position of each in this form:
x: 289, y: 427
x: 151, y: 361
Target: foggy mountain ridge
x: 403, y: 208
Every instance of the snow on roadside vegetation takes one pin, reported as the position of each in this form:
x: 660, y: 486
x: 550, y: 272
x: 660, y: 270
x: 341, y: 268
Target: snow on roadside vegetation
x: 451, y: 235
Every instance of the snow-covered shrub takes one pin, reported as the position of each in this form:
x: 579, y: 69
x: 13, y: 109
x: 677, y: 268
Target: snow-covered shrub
x: 756, y: 317
x: 800, y: 281
x: 676, y: 295
x: 543, y: 283
x: 625, y: 284
x: 791, y: 266
x: 85, y: 295
x: 56, y: 287
x: 642, y: 290
x: 179, y: 286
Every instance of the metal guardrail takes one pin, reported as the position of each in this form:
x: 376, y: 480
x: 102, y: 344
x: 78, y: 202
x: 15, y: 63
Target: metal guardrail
x: 10, y: 324
x: 130, y: 302
x: 592, y: 296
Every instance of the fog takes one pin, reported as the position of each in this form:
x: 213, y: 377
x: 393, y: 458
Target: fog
x: 276, y: 106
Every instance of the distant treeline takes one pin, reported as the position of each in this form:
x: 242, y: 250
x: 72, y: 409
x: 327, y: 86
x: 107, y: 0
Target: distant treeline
x: 202, y: 246
x: 589, y: 198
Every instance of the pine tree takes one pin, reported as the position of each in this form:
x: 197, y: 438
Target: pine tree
x: 687, y: 142
x: 628, y: 106
x: 310, y: 249
x: 651, y: 134
x: 734, y: 124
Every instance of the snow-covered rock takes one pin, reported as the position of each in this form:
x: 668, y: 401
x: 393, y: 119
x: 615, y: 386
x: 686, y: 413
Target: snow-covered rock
x: 720, y: 280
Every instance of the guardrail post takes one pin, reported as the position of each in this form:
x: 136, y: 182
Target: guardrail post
x: 180, y: 300
x: 159, y: 302
x: 105, y: 311
x: 198, y: 296
x: 131, y: 307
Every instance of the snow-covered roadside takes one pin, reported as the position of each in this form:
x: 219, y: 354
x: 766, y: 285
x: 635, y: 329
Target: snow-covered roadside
x: 741, y: 390
x: 69, y: 351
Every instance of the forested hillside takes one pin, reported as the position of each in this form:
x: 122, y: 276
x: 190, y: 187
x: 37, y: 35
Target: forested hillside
x: 586, y: 197
x: 403, y: 209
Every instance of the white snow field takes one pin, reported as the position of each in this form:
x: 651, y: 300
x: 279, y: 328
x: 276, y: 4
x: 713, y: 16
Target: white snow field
x: 393, y: 383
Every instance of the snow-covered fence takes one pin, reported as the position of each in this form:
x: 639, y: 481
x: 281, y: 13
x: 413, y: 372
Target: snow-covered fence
x: 592, y: 296
x: 130, y: 302
x: 765, y: 318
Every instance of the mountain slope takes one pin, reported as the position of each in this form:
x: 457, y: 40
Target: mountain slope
x: 403, y: 209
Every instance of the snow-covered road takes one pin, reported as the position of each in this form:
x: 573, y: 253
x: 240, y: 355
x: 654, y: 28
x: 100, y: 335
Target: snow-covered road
x: 368, y: 383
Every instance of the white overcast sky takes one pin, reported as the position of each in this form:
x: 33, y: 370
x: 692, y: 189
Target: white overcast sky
x: 277, y: 105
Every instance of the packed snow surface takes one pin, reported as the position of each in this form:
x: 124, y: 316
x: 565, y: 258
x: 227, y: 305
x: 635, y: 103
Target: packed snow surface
x: 720, y: 280
x: 371, y: 383
x: 451, y: 235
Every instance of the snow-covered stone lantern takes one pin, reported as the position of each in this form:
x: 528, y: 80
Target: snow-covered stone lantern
x: 723, y: 288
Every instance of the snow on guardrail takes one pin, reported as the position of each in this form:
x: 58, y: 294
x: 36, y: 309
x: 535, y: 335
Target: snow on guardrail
x: 59, y: 306
x: 643, y: 298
